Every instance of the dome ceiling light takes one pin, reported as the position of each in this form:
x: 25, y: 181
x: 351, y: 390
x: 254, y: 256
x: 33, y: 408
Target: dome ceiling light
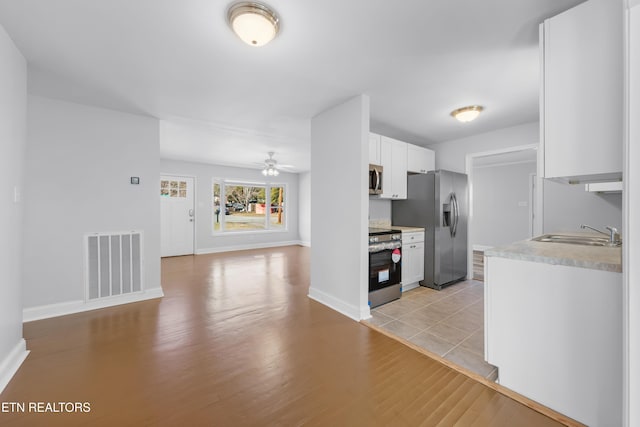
x: 467, y: 114
x: 255, y: 23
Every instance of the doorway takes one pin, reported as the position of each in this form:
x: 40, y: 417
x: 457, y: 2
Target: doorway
x: 505, y: 200
x: 177, y: 215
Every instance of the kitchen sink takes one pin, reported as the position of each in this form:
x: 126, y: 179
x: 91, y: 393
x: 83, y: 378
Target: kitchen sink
x: 575, y: 240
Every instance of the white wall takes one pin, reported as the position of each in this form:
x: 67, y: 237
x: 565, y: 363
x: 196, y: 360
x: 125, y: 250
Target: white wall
x: 339, y: 205
x: 631, y: 236
x: 79, y: 163
x: 564, y: 205
x: 567, y: 206
x: 451, y: 155
x: 206, y: 241
x: 304, y: 208
x: 13, y: 112
x: 498, y: 217
x: 379, y: 210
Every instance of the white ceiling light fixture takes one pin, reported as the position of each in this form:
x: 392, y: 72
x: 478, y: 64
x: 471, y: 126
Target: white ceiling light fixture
x: 467, y: 114
x: 270, y: 166
x: 255, y: 23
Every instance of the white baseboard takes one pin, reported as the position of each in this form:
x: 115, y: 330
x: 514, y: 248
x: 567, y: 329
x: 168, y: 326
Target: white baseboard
x: 304, y: 243
x: 247, y: 247
x: 10, y: 365
x: 340, y: 306
x: 481, y: 248
x: 70, y: 307
x: 410, y: 286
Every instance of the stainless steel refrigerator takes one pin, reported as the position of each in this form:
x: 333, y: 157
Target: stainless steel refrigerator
x: 438, y: 201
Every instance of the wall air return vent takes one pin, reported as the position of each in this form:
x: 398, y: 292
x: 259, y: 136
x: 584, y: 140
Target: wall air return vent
x: 113, y: 264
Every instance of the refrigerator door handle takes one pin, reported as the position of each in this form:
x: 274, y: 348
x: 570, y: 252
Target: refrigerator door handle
x: 452, y: 214
x: 456, y: 214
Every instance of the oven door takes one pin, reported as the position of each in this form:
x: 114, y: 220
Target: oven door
x: 385, y: 268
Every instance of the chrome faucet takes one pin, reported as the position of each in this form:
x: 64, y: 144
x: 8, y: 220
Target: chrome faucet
x: 614, y: 235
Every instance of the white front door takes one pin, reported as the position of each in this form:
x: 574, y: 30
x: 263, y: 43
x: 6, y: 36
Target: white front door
x: 177, y: 215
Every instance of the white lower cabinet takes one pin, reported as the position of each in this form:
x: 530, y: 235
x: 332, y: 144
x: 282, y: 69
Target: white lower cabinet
x: 412, y: 259
x: 554, y: 332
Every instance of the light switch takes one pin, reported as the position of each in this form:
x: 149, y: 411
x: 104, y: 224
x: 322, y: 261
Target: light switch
x: 17, y: 195
x: 523, y: 204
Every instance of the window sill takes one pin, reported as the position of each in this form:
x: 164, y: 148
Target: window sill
x: 240, y: 233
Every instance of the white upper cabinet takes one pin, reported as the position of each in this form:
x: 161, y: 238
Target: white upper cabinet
x: 420, y: 159
x: 393, y: 157
x: 397, y: 158
x: 582, y: 92
x: 374, y: 149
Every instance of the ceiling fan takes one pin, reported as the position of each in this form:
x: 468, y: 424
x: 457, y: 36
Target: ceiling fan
x: 271, y: 166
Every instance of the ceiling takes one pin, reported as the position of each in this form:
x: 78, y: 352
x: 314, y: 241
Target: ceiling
x: 224, y: 102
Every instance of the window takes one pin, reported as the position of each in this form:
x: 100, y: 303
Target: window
x: 277, y: 207
x: 216, y: 206
x: 243, y: 207
x: 173, y: 188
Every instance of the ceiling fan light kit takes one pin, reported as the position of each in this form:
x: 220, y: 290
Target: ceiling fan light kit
x: 270, y: 166
x: 254, y: 23
x: 467, y: 114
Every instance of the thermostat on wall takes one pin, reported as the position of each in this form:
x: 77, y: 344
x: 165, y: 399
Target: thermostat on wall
x: 135, y: 180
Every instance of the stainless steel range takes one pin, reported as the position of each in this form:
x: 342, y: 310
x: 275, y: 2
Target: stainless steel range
x: 385, y: 265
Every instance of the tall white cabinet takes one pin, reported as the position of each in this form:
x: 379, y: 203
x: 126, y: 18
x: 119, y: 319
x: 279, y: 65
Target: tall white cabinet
x: 582, y: 92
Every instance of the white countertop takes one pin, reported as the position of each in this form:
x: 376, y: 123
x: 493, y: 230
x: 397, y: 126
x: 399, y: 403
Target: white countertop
x: 376, y: 223
x: 593, y: 257
x: 408, y: 229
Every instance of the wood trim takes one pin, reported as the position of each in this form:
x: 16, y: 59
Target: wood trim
x: 479, y: 378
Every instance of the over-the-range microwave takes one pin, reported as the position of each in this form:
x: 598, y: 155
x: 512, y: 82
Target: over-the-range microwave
x: 375, y: 179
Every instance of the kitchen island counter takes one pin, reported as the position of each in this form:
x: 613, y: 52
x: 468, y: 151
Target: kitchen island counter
x: 553, y: 316
x: 593, y: 257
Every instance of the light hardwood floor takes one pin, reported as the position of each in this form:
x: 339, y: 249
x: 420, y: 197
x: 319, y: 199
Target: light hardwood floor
x: 236, y: 342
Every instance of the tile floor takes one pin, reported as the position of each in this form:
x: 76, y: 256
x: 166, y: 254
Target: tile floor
x: 449, y: 323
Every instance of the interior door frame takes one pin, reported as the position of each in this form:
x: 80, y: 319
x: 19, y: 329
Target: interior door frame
x: 195, y: 203
x: 538, y: 222
x: 533, y: 188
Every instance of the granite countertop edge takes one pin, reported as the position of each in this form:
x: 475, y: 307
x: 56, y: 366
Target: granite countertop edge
x: 407, y: 229
x: 595, y: 258
x: 570, y: 262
